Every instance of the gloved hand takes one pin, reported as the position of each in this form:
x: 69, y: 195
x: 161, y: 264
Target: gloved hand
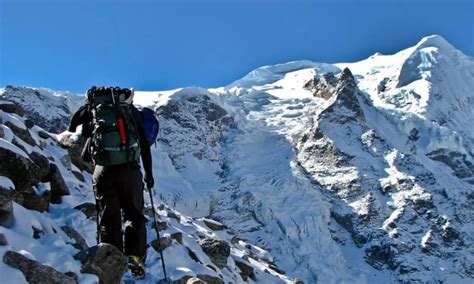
x: 149, y: 181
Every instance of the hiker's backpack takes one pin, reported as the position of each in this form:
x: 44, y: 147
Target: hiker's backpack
x: 151, y: 124
x: 115, y: 138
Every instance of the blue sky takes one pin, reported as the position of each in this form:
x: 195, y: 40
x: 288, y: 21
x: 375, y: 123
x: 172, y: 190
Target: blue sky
x: 156, y: 44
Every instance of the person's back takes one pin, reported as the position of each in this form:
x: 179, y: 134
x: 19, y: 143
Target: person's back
x: 117, y: 140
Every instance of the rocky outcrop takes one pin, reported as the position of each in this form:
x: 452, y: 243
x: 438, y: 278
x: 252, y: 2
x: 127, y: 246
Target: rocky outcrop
x: 25, y: 174
x: 346, y: 107
x: 246, y: 271
x: 105, y: 261
x: 79, y: 241
x: 217, y: 250
x: 89, y: 209
x: 3, y: 240
x: 161, y: 244
x: 322, y: 87
x: 23, y: 134
x: 11, y: 107
x: 44, y: 108
x: 458, y: 162
x: 6, y: 207
x: 34, y: 271
x: 214, y: 225
x: 58, y: 185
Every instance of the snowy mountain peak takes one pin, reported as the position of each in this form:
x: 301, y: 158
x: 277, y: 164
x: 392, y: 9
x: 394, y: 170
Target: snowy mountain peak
x: 434, y: 41
x: 347, y: 77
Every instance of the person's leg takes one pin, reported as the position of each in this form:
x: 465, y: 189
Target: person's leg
x: 131, y: 199
x: 107, y: 199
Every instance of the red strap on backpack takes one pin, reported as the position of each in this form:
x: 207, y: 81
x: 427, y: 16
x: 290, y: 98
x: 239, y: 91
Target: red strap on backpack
x: 121, y: 127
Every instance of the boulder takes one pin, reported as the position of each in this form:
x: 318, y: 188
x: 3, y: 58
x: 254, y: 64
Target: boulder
x: 79, y: 176
x: 6, y: 207
x: 246, y: 270
x: 105, y: 261
x: 178, y: 237
x: 193, y: 255
x: 89, y: 209
x: 3, y: 240
x: 23, y: 134
x: 11, y: 107
x: 79, y: 241
x: 173, y: 215
x: 214, y: 225
x: 44, y: 135
x: 162, y: 244
x: 217, y: 250
x: 210, y: 279
x: 43, y: 166
x: 25, y: 175
x: 75, y: 154
x: 29, y: 123
x: 58, y: 185
x: 34, y: 271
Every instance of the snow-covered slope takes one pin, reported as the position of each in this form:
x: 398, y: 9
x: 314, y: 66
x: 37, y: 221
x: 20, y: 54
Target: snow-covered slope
x: 344, y: 175
x: 47, y: 215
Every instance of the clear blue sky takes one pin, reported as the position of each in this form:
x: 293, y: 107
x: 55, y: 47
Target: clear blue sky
x: 156, y: 44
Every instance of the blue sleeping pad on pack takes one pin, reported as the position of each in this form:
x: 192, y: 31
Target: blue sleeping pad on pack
x: 150, y: 124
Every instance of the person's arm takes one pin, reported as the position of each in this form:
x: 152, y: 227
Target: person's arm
x: 145, y: 152
x: 77, y: 118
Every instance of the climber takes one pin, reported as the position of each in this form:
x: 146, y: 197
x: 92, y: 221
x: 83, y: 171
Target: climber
x: 116, y: 140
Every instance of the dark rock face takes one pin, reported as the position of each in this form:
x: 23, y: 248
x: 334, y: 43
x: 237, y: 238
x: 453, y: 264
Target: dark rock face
x: 75, y: 154
x: 11, y: 107
x: 380, y: 256
x: 346, y: 222
x: 382, y: 86
x: 105, y: 261
x: 193, y: 255
x: 210, y: 279
x: 23, y: 134
x: 3, y: 240
x: 245, y: 268
x: 322, y: 87
x: 34, y: 271
x: 347, y: 92
x: 6, y: 207
x: 80, y: 243
x: 162, y: 244
x: 178, y: 237
x: 214, y: 225
x: 89, y: 209
x: 58, y: 185
x: 458, y: 162
x: 217, y: 250
x: 25, y: 174
x: 43, y: 166
x: 204, y: 123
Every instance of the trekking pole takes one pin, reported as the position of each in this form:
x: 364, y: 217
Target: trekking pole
x: 158, y: 234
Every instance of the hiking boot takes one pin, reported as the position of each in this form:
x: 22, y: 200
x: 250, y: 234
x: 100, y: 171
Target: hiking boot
x: 135, y: 264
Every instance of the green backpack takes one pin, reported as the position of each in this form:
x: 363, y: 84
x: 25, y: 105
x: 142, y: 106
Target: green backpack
x: 115, y: 134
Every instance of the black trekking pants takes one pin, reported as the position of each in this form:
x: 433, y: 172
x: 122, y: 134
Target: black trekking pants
x: 119, y: 193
